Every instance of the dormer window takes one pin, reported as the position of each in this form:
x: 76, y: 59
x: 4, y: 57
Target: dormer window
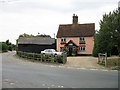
x: 82, y: 39
x: 63, y: 39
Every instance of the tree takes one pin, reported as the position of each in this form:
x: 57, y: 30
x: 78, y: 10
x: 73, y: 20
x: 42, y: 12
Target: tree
x: 108, y: 37
x: 7, y: 42
x: 4, y: 47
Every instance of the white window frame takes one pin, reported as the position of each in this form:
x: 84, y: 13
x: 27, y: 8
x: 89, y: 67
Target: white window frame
x: 63, y: 39
x: 82, y: 48
x: 82, y: 39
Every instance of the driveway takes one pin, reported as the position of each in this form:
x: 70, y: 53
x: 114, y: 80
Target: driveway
x: 83, y: 62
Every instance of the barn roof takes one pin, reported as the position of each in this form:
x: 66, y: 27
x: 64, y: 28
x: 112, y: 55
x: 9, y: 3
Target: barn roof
x: 36, y: 40
x: 76, y: 30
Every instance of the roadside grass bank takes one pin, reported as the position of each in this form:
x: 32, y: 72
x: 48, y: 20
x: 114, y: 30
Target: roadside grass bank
x: 113, y: 63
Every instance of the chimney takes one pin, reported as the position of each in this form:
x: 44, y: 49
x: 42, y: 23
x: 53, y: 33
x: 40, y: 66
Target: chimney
x: 75, y: 19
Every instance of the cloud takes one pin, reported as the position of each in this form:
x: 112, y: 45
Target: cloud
x: 44, y: 16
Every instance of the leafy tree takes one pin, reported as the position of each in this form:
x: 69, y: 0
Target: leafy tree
x: 39, y: 35
x: 109, y: 34
x: 10, y: 47
x: 4, y: 47
x: 7, y: 42
x: 43, y: 35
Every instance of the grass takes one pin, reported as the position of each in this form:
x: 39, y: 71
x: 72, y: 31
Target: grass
x: 112, y: 63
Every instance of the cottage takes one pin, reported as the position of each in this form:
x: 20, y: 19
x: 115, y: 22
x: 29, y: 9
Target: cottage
x: 35, y: 44
x: 76, y: 38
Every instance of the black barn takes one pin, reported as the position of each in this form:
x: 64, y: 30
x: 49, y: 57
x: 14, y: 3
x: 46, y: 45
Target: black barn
x: 35, y: 44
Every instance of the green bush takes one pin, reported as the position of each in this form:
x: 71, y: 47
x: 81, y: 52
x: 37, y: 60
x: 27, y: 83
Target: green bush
x: 4, y: 47
x: 19, y: 53
x: 59, y: 59
x: 37, y: 55
x: 30, y: 55
x: 10, y: 47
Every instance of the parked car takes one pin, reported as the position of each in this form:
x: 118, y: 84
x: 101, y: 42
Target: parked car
x: 51, y: 52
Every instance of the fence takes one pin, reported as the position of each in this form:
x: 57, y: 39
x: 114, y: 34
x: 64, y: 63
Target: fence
x: 44, y: 58
x: 102, y: 58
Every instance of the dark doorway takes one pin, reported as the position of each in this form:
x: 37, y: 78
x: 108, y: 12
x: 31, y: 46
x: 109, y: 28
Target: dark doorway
x: 70, y: 51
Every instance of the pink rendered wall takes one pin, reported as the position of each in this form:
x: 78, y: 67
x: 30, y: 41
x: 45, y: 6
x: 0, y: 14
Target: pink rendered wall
x: 74, y: 39
x: 89, y: 46
x: 88, y: 40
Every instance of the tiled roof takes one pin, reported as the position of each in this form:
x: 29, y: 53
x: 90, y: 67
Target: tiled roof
x: 36, y: 40
x: 76, y: 30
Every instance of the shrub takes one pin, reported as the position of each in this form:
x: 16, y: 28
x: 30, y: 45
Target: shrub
x: 30, y: 55
x: 10, y: 47
x: 37, y: 55
x: 4, y: 47
x: 59, y: 59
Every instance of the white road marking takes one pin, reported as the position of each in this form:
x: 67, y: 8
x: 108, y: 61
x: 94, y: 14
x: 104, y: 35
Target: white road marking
x: 93, y: 69
x: 59, y: 86
x: 104, y: 70
x: 52, y: 66
x: 53, y: 85
x: 6, y: 80
x: 12, y: 83
x: 43, y: 84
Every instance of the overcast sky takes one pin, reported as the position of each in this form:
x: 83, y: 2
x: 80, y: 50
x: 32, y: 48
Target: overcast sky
x: 44, y: 16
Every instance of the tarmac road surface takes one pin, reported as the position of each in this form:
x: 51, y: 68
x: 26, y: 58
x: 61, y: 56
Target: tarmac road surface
x: 17, y: 73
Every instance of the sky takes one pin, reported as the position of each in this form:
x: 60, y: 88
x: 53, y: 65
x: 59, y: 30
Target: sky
x: 44, y: 16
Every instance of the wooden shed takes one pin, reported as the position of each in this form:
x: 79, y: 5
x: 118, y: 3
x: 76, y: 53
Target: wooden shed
x: 35, y: 44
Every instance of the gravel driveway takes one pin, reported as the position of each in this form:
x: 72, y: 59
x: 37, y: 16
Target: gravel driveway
x: 83, y: 62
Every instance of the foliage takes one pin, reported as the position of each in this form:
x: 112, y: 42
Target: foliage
x: 112, y: 62
x: 58, y: 58
x: 30, y: 54
x: 109, y: 34
x: 27, y: 35
x: 37, y: 55
x: 43, y: 35
x: 10, y: 47
x: 4, y: 47
x: 7, y: 46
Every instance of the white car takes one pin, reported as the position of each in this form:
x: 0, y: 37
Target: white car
x: 51, y: 52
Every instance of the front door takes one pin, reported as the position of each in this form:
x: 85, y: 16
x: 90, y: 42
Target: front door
x: 70, y: 51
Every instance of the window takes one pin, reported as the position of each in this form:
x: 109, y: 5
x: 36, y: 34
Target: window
x: 63, y: 39
x: 82, y: 48
x: 82, y: 39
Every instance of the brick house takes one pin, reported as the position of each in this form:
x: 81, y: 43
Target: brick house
x: 78, y: 38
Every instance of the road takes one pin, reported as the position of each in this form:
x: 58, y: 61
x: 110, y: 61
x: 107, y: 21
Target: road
x: 17, y: 73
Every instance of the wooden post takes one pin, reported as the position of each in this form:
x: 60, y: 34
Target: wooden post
x: 33, y: 56
x: 41, y: 57
x: 98, y: 58
x: 52, y: 59
x: 105, y: 59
